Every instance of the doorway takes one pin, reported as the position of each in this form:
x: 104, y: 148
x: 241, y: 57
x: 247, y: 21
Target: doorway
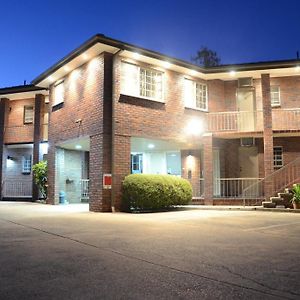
x: 246, y: 107
x: 248, y: 162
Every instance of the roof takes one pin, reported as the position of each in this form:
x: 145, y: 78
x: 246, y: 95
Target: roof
x: 20, y: 89
x: 119, y: 45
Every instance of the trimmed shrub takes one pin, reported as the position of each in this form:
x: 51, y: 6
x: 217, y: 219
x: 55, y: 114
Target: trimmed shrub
x: 153, y: 192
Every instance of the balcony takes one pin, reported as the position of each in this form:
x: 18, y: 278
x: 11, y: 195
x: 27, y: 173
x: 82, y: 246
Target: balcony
x: 286, y: 119
x: 235, y: 121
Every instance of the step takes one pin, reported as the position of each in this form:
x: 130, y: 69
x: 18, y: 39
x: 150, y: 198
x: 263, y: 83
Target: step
x: 277, y: 200
x: 268, y: 204
x: 286, y: 197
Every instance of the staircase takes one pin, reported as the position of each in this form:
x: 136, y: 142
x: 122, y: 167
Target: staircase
x: 278, y: 184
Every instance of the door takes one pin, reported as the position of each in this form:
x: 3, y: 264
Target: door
x: 245, y: 105
x: 248, y: 162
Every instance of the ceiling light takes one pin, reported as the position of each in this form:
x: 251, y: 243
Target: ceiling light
x: 85, y: 56
x: 78, y: 147
x: 297, y: 69
x: 136, y: 55
x: 51, y: 79
x: 232, y: 73
x: 151, y: 146
x: 66, y: 68
x: 193, y: 72
x: 166, y: 64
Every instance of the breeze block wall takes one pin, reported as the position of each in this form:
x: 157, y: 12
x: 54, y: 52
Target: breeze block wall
x: 88, y: 99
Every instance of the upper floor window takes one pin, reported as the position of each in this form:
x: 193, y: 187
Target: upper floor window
x: 58, y: 93
x: 195, y: 94
x: 278, y: 156
x: 275, y: 95
x: 141, y: 82
x: 28, y: 114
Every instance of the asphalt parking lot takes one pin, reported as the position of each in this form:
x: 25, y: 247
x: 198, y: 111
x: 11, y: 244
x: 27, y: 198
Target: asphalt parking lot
x: 66, y: 252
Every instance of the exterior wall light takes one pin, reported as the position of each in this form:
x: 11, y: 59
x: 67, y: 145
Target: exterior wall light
x: 10, y: 157
x: 166, y: 64
x: 297, y: 69
x: 151, y: 146
x: 194, y: 127
x: 232, y: 73
x: 136, y: 55
x: 78, y: 147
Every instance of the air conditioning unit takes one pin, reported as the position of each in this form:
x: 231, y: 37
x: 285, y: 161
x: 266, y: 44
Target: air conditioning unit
x: 247, y: 142
x: 245, y: 82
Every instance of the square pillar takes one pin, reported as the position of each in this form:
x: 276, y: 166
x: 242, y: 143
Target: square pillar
x: 37, y: 136
x: 268, y: 133
x: 4, y: 107
x: 208, y: 168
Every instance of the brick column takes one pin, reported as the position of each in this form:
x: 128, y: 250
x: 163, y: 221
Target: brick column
x: 268, y: 132
x: 208, y: 168
x: 4, y: 106
x: 37, y: 136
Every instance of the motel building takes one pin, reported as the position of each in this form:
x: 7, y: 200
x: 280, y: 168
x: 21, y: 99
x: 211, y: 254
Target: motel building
x: 110, y: 108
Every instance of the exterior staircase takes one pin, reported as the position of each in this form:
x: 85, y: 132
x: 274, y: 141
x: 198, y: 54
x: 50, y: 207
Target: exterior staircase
x: 282, y: 200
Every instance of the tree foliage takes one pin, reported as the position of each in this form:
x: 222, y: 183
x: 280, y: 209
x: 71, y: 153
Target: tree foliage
x: 40, y: 176
x: 206, y: 57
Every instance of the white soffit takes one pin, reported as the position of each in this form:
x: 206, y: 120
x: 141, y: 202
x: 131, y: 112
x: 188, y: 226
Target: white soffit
x: 24, y: 95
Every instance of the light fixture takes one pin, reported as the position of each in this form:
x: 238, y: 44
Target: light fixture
x: 297, y: 69
x: 193, y: 72
x: 10, y: 157
x: 51, y: 79
x: 194, y: 127
x: 78, y: 147
x: 166, y: 64
x: 232, y: 73
x: 136, y: 55
x: 151, y: 146
x: 85, y: 56
x: 66, y: 68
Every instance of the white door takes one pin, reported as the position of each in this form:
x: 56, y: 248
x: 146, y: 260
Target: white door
x: 245, y: 105
x: 216, y: 172
x: 248, y: 162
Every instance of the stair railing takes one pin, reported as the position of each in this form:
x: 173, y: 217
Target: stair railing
x: 275, y: 182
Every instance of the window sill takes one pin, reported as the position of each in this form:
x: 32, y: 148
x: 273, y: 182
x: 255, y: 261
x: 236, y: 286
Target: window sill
x: 144, y: 98
x: 276, y: 105
x: 57, y: 106
x: 196, y: 108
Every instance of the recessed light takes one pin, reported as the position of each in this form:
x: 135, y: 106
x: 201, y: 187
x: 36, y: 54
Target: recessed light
x: 66, y: 68
x: 297, y: 69
x: 51, y: 79
x: 151, y: 146
x: 232, y: 73
x: 136, y: 55
x: 193, y: 72
x: 78, y: 147
x: 85, y: 56
x: 166, y: 64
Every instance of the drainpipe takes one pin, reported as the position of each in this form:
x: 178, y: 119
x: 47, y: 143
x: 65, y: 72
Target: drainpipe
x: 113, y: 131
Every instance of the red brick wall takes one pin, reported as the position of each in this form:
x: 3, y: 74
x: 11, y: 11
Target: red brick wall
x: 16, y: 131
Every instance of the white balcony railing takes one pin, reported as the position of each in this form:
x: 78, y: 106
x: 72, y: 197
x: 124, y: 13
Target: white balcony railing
x: 85, y: 189
x: 235, y: 187
x: 17, y: 188
x: 240, y: 121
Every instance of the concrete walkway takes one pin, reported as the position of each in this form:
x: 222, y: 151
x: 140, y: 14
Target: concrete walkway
x: 66, y: 252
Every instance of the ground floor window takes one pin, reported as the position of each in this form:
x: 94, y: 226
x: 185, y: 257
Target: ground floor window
x: 26, y: 164
x: 278, y: 156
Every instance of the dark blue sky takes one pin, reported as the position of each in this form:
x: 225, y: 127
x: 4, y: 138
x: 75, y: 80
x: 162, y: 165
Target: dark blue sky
x: 35, y: 34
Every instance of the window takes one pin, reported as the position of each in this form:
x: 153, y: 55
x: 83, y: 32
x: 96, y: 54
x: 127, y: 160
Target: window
x: 275, y: 95
x: 195, y: 94
x: 59, y: 93
x: 141, y: 82
x: 26, y: 164
x: 28, y: 114
x: 136, y: 163
x: 278, y: 157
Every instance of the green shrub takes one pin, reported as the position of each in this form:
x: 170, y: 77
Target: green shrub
x: 40, y: 176
x: 153, y: 192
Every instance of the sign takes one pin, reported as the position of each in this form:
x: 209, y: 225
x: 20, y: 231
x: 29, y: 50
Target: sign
x: 107, y: 181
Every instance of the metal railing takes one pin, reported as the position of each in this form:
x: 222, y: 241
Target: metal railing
x: 275, y: 182
x: 84, y: 189
x: 286, y: 119
x: 17, y: 188
x: 234, y: 187
x: 240, y: 121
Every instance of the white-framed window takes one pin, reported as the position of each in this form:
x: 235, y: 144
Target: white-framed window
x: 195, y: 94
x: 141, y: 82
x: 26, y: 164
x: 278, y: 156
x: 28, y: 114
x: 275, y: 95
x: 59, y: 93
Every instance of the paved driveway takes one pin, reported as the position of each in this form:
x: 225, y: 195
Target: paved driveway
x: 66, y: 252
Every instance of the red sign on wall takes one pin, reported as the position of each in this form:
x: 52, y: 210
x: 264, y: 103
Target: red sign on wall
x: 107, y: 181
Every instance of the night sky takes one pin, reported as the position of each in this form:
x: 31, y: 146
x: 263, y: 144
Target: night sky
x: 35, y: 34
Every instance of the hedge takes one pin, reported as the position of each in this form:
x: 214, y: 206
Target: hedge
x: 154, y: 192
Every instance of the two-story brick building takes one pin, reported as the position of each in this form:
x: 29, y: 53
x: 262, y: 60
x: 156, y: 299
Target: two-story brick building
x: 114, y: 108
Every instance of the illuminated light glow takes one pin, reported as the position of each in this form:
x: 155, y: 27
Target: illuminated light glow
x: 194, y: 73
x: 44, y: 148
x: 50, y: 79
x: 151, y: 146
x: 78, y: 147
x: 75, y: 74
x: 136, y: 55
x: 93, y: 63
x: 232, y: 73
x: 297, y: 69
x: 190, y: 162
x: 166, y: 64
x: 194, y: 127
x: 85, y: 56
x: 67, y: 69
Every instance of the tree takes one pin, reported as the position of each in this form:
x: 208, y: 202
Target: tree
x: 40, y: 177
x: 206, y: 57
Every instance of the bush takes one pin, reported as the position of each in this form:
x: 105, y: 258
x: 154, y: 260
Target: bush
x: 153, y: 192
x: 40, y: 177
